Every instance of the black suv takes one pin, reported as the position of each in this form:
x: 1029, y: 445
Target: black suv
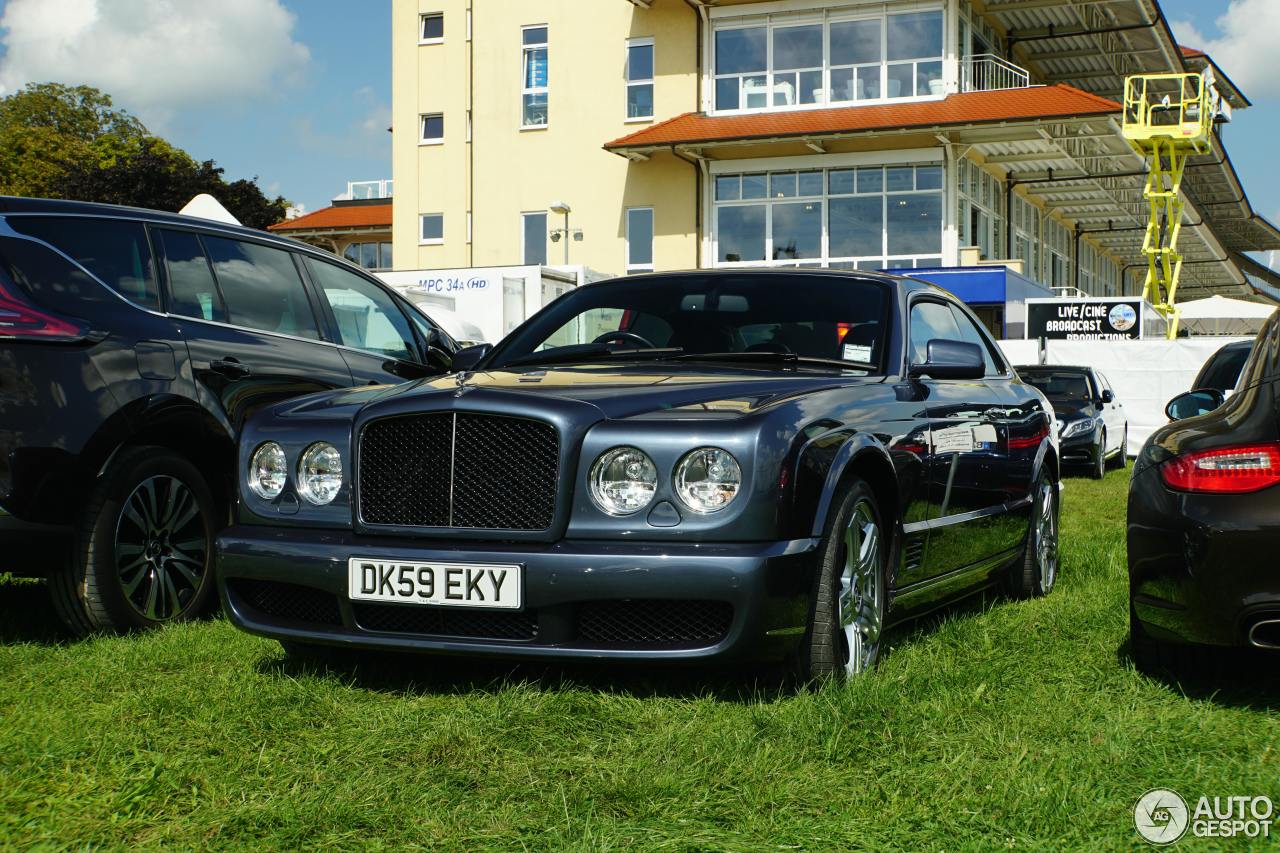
x: 133, y: 345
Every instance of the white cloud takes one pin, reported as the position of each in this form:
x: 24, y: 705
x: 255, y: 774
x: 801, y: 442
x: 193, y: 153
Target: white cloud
x: 1246, y: 46
x: 152, y: 56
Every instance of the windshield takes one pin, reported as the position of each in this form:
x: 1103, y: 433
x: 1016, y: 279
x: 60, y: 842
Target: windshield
x: 835, y: 318
x: 1059, y: 385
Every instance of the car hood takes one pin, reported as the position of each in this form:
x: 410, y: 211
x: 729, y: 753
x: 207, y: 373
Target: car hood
x: 643, y: 391
x: 1072, y: 410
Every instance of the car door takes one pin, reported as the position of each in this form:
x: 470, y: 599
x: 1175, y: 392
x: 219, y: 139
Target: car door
x: 377, y: 337
x: 966, y: 441
x: 248, y: 323
x: 1113, y: 414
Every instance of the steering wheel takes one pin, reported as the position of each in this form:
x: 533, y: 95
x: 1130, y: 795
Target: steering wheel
x: 621, y: 336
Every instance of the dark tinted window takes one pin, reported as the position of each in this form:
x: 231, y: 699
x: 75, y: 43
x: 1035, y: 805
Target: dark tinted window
x: 114, y: 250
x: 261, y: 287
x: 1059, y: 384
x: 192, y: 292
x: 53, y: 282
x: 368, y: 318
x: 1223, y: 370
x: 931, y: 321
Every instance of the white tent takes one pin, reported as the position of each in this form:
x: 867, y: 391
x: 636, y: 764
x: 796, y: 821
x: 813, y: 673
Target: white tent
x: 1219, y: 315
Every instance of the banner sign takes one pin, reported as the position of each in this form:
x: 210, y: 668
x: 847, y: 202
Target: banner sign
x: 1087, y: 319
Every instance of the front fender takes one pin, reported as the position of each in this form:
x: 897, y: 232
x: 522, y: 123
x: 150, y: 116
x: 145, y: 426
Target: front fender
x: 861, y: 450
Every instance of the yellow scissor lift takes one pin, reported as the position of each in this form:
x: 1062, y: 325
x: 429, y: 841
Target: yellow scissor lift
x: 1167, y: 118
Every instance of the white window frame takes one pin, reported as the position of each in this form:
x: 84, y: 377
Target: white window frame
x: 648, y: 42
x: 525, y: 91
x: 653, y: 227
x: 422, y: 28
x: 423, y: 139
x: 433, y: 241
x: 784, y: 17
x: 827, y: 162
x: 546, y: 233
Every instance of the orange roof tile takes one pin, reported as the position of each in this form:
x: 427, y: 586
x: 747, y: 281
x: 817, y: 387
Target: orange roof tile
x: 1191, y: 52
x: 1037, y: 102
x: 345, y: 216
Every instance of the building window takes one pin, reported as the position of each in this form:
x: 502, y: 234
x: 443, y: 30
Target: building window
x: 1057, y: 258
x: 844, y: 59
x: 1025, y: 221
x: 432, y: 129
x: 534, y: 238
x: 856, y: 218
x: 431, y: 229
x: 981, y: 222
x: 371, y: 256
x: 640, y: 239
x: 431, y: 28
x: 640, y: 79
x: 534, y: 89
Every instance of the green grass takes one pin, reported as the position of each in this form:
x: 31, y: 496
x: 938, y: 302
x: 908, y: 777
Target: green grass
x: 996, y: 725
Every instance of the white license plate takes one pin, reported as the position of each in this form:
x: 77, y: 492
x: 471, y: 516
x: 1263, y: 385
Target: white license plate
x: 436, y: 584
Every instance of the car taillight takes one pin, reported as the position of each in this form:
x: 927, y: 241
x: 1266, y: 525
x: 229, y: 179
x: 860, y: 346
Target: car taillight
x: 1225, y: 470
x: 20, y: 319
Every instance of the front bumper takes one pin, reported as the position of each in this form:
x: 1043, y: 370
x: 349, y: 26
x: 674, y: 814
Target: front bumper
x: 1202, y: 567
x: 584, y: 600
x: 1080, y: 449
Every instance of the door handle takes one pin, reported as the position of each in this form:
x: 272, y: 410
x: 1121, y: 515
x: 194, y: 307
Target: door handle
x: 230, y: 368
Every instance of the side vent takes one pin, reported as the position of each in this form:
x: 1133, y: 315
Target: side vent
x: 913, y: 554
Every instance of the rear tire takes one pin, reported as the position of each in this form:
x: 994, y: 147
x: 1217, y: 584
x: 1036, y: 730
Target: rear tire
x: 143, y: 554
x: 1036, y: 573
x: 850, y: 594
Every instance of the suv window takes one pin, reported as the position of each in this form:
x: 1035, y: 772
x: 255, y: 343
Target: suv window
x: 969, y: 334
x: 261, y: 287
x: 192, y: 291
x: 930, y: 320
x: 114, y: 250
x: 367, y: 317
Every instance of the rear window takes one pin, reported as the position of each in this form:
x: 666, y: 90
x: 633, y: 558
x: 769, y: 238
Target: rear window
x: 1223, y: 370
x: 114, y: 250
x: 49, y: 279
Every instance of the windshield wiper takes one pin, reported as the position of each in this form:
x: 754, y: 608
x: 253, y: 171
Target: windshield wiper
x: 587, y: 352
x: 784, y: 358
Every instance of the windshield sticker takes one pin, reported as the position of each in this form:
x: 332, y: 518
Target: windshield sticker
x: 857, y: 352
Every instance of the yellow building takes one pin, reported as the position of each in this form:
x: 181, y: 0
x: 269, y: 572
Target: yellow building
x: 711, y: 133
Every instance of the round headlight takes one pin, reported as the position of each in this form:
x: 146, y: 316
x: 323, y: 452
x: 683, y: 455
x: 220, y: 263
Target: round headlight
x: 268, y: 471
x: 623, y: 480
x: 708, y: 479
x: 320, y: 473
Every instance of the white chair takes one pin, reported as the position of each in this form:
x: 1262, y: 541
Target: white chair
x: 787, y: 92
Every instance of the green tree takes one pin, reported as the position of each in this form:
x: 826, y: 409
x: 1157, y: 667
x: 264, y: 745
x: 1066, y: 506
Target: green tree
x: 60, y: 141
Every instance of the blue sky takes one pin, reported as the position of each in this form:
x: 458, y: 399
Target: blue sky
x: 298, y: 92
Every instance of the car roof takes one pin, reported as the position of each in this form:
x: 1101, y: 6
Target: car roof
x: 903, y: 283
x: 16, y: 205
x: 1057, y: 368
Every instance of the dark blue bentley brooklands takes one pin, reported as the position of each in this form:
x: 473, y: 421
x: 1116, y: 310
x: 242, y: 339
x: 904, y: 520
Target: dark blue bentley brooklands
x: 763, y: 464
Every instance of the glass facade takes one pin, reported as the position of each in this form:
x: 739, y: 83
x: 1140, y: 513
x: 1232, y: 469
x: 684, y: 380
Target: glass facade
x: 866, y: 217
x: 371, y: 256
x: 845, y: 57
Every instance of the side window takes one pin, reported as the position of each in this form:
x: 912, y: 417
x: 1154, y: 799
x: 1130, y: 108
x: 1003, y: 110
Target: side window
x: 261, y: 287
x: 192, y: 291
x: 368, y: 318
x: 114, y: 250
x: 930, y: 320
x: 969, y: 333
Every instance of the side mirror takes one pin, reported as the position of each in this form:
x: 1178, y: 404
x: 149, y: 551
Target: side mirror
x: 951, y: 360
x: 468, y: 357
x: 1108, y: 397
x: 1194, y: 403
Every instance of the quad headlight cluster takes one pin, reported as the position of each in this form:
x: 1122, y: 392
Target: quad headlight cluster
x: 624, y: 480
x: 1079, y: 427
x: 318, y: 475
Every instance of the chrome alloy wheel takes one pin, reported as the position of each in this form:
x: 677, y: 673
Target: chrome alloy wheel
x: 161, y: 548
x: 862, y: 589
x: 1046, y: 535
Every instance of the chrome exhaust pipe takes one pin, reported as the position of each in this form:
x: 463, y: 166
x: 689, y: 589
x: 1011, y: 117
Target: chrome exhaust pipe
x: 1265, y: 634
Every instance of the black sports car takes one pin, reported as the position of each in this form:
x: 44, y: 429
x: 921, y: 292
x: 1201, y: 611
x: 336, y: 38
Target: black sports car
x: 1204, y: 520
x: 1093, y: 430
x: 705, y: 465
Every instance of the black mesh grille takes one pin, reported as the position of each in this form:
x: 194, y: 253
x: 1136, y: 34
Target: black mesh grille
x: 444, y: 622
x: 288, y: 601
x: 503, y: 474
x: 658, y: 622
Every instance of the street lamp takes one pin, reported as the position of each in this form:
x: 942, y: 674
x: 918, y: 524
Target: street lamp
x: 563, y: 209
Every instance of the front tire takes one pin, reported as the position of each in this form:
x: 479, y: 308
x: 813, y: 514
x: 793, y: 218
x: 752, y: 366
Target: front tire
x: 1037, y: 572
x: 850, y: 592
x: 1099, y: 469
x: 1121, y: 460
x: 144, y: 550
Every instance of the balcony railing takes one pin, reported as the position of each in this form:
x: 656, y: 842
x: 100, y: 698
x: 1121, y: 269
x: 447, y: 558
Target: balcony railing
x: 369, y: 189
x: 986, y: 72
